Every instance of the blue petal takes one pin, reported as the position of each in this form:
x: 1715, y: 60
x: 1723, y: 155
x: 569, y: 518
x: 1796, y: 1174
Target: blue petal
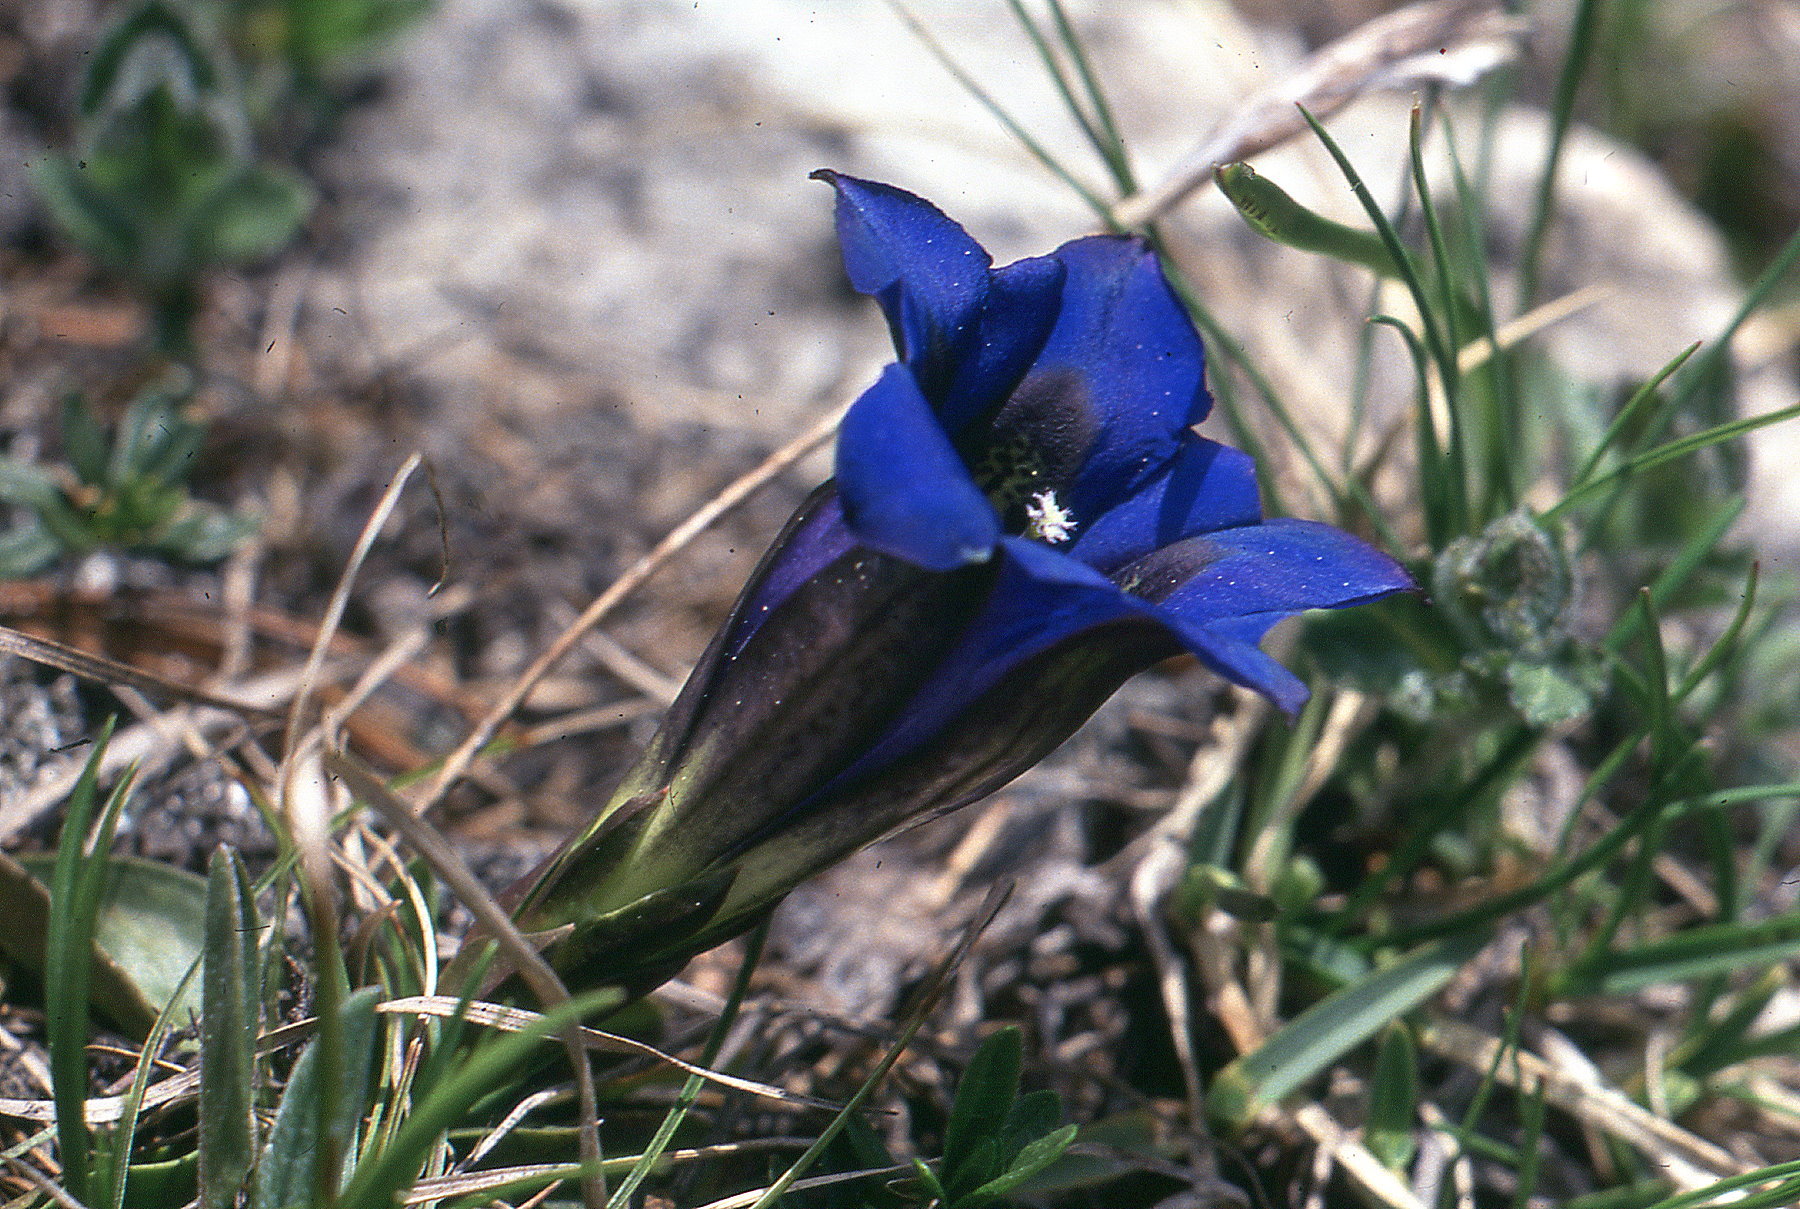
x: 1021, y: 309
x: 928, y: 274
x: 1123, y: 369
x: 905, y: 490
x: 1277, y: 568
x: 1220, y: 593
x: 1069, y: 597
x: 1229, y: 647
x: 1205, y: 486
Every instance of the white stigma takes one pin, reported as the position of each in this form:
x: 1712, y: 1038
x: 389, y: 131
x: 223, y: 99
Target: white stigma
x: 1047, y: 520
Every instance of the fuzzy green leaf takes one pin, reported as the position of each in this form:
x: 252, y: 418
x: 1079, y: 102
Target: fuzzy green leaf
x: 286, y: 1175
x: 228, y: 1029
x: 252, y: 217
x: 983, y: 1098
x: 84, y: 444
x: 26, y: 550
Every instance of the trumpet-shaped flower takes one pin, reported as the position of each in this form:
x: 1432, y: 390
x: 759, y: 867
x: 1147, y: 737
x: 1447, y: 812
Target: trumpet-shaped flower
x: 1022, y: 517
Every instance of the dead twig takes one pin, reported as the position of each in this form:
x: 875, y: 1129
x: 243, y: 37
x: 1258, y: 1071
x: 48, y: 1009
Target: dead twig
x: 1438, y: 42
x: 1688, y: 1160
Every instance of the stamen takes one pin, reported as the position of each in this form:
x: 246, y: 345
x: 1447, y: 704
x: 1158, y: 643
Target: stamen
x: 1047, y: 520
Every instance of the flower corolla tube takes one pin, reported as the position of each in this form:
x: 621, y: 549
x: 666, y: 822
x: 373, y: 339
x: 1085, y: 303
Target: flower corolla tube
x: 1022, y: 517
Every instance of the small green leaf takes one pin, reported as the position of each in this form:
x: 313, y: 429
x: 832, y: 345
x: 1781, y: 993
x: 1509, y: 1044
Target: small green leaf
x: 1275, y: 215
x: 1394, y: 1098
x: 978, y: 1166
x: 1030, y: 1161
x: 26, y: 550
x: 204, y: 534
x: 87, y: 215
x: 153, y: 30
x: 330, y: 33
x: 285, y: 1177
x: 26, y: 485
x: 25, y: 906
x: 983, y: 1098
x: 1033, y: 1115
x: 145, y: 432
x: 928, y: 1182
x: 1545, y: 695
x: 254, y: 216
x: 84, y: 444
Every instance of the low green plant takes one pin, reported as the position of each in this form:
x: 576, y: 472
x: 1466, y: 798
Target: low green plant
x: 125, y: 492
x: 171, y: 176
x: 164, y: 182
x: 296, y: 53
x: 996, y: 1140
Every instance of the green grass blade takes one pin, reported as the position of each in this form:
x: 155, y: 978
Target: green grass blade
x: 1332, y: 1027
x: 690, y: 1091
x: 1690, y: 954
x: 1531, y: 1116
x: 228, y: 1030
x: 126, y: 1130
x: 1065, y: 88
x: 1680, y: 570
x: 1715, y: 1044
x: 1656, y: 677
x: 1446, y: 283
x: 1110, y: 144
x: 1562, y: 111
x: 1720, y: 1194
x: 1727, y: 645
x: 1704, y: 367
x: 1504, y: 417
x: 67, y: 971
x: 915, y: 1020
x: 381, y: 1175
x: 1435, y: 473
x: 1001, y: 114
x: 1668, y: 452
x: 1441, y: 354
x: 1641, y: 397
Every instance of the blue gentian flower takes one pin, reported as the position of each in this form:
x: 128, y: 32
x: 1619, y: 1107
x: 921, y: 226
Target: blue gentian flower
x: 1022, y: 517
